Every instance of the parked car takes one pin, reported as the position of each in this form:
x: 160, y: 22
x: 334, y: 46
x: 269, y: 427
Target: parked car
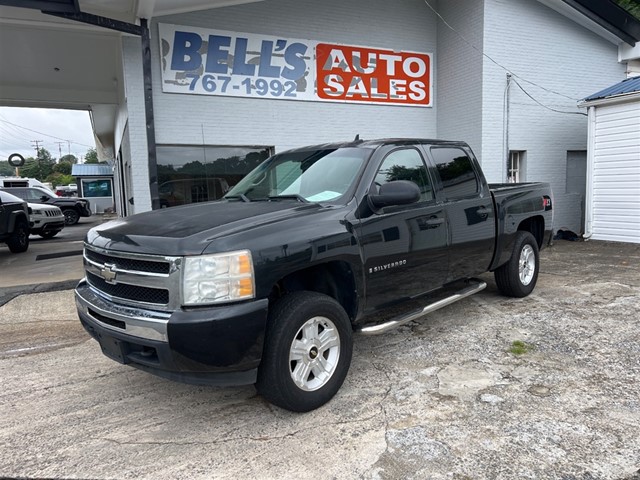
x: 14, y: 222
x: 268, y: 285
x: 72, y: 208
x: 45, y: 220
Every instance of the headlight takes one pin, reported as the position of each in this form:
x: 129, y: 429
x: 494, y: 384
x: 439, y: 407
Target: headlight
x: 36, y: 212
x: 218, y: 278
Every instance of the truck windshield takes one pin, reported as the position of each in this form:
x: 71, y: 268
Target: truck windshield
x: 310, y: 176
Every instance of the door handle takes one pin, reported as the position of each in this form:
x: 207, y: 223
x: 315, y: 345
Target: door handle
x: 435, y: 222
x: 483, y: 212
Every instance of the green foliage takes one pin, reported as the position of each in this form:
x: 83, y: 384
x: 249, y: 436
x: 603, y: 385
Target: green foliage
x: 91, y: 156
x: 59, y: 179
x: 38, y: 169
x: 72, y: 159
x: 518, y: 347
x: 6, y: 170
x: 62, y: 167
x: 631, y: 6
x: 45, y: 156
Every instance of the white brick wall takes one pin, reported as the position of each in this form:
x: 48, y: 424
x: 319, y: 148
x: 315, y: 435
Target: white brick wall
x: 402, y: 25
x: 535, y: 42
x: 547, y: 48
x: 459, y: 72
x: 136, y: 131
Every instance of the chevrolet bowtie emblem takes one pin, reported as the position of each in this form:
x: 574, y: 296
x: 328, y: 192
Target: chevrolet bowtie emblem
x: 108, y: 272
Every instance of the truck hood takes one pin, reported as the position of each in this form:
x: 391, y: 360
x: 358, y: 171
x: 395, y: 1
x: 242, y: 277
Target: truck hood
x: 189, y: 229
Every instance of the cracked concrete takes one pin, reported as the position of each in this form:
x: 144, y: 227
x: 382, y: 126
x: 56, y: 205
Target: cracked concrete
x: 438, y: 398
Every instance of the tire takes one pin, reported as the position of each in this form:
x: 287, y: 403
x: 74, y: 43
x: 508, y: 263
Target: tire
x: 518, y: 277
x: 19, y: 240
x: 71, y: 216
x: 49, y: 233
x: 304, y: 328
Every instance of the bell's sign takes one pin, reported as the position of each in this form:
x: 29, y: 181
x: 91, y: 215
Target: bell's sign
x: 215, y: 62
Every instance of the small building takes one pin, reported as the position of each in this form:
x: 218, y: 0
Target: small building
x: 613, y: 172
x: 95, y: 183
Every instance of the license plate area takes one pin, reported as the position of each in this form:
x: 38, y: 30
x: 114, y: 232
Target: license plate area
x: 113, y: 348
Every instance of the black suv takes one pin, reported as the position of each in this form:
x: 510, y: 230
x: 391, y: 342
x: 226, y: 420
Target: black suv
x: 14, y: 222
x: 73, y: 208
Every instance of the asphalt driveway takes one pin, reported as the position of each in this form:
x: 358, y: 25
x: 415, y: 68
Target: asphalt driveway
x: 490, y: 387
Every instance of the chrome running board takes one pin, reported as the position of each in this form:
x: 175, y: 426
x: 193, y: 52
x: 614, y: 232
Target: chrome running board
x: 474, y: 287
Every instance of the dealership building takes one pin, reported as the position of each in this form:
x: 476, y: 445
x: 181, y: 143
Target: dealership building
x: 189, y: 99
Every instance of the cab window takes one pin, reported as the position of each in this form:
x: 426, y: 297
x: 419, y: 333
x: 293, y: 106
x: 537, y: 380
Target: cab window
x: 405, y: 164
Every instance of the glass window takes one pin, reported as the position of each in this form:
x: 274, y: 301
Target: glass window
x: 515, y: 171
x: 454, y: 166
x: 315, y: 175
x: 96, y: 188
x: 405, y: 164
x: 190, y: 174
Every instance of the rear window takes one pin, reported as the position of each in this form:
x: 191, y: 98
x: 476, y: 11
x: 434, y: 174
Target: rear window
x: 455, y: 168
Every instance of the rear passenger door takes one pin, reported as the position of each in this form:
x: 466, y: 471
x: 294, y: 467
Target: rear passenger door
x: 469, y: 211
x: 405, y: 246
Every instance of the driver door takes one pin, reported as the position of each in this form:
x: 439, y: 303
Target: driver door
x: 404, y: 247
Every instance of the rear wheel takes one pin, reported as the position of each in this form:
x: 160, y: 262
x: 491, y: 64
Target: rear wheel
x: 307, y: 351
x: 71, y: 216
x: 19, y: 241
x: 518, y: 277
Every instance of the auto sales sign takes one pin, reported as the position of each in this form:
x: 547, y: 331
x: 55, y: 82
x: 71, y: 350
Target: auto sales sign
x: 216, y: 62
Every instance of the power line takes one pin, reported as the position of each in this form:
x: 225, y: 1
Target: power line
x: 45, y: 134
x: 542, y: 105
x: 492, y: 60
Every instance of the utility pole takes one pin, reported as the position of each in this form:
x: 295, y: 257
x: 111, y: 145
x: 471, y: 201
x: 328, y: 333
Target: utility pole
x: 59, y: 150
x: 37, y: 146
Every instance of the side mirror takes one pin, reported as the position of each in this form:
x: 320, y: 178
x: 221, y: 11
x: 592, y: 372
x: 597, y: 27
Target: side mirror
x: 44, y: 198
x: 398, y: 192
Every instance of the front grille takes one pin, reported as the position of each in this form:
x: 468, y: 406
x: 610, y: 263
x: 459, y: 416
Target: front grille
x: 129, y: 263
x: 51, y: 213
x: 129, y: 292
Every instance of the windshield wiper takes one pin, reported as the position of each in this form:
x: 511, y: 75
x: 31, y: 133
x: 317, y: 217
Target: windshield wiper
x: 241, y: 196
x: 289, y: 197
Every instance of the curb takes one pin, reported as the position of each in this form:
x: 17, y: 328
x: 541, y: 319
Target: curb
x: 9, y: 293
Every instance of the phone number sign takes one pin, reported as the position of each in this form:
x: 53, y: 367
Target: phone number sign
x: 215, y: 62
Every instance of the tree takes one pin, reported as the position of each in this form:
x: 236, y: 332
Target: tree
x: 63, y: 168
x: 631, y: 6
x: 6, y: 170
x: 59, y: 179
x: 91, y: 156
x: 72, y: 159
x: 38, y: 168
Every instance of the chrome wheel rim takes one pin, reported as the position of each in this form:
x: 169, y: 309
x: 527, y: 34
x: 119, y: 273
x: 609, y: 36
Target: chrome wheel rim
x: 314, y: 354
x: 527, y: 265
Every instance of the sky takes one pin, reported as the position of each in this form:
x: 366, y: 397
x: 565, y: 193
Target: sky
x: 19, y: 127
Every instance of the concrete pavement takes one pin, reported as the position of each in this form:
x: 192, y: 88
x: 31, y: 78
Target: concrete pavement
x: 445, y: 397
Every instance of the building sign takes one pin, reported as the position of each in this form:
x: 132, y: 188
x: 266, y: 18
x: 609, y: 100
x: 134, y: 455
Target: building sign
x: 215, y: 62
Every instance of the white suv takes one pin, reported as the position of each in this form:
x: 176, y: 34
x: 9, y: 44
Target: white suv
x: 45, y: 220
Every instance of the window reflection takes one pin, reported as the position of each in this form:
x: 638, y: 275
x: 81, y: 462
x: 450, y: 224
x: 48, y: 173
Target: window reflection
x: 191, y: 174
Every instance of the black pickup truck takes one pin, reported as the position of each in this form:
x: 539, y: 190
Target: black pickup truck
x: 268, y: 284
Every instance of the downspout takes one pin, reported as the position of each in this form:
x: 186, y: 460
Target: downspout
x: 505, y: 121
x: 591, y: 139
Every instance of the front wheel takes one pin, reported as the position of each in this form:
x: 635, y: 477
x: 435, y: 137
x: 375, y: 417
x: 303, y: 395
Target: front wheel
x: 307, y: 351
x: 19, y: 240
x: 518, y: 277
x: 71, y: 216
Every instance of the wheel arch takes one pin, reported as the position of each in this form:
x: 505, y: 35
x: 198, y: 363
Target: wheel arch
x: 535, y: 226
x: 335, y: 279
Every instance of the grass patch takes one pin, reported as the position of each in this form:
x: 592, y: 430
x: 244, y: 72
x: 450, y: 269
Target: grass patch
x: 518, y: 347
